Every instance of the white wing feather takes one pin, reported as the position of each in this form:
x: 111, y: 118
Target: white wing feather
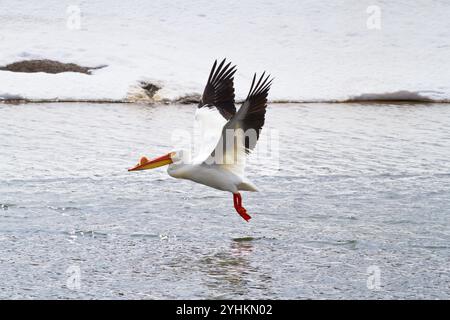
x: 234, y: 157
x: 209, y: 123
x: 229, y: 152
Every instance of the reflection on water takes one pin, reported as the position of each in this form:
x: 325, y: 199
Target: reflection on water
x: 231, y: 272
x: 357, y: 187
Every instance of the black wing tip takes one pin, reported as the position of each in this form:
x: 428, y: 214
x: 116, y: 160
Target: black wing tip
x: 219, y: 89
x: 222, y: 72
x: 262, y: 86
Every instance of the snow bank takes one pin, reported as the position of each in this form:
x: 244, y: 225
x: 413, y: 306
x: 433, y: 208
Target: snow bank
x: 317, y: 50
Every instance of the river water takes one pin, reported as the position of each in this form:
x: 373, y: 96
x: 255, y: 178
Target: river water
x: 354, y: 203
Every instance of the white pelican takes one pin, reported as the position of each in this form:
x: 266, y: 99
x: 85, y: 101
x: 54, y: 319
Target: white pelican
x: 227, y: 136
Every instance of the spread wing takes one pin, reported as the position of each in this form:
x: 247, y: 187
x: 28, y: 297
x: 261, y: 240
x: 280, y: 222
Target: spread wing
x: 219, y: 90
x: 214, y: 109
x: 240, y: 134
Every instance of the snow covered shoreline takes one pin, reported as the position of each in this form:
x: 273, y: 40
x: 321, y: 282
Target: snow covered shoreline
x: 318, y: 51
x: 147, y: 92
x: 190, y: 100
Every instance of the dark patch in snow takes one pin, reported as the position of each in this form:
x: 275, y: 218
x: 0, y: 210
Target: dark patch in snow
x: 149, y: 88
x: 189, y: 99
x: 398, y: 96
x: 47, y: 66
x: 7, y: 96
x: 11, y: 98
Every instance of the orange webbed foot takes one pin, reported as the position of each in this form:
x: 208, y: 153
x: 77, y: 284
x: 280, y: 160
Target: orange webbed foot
x: 237, y: 199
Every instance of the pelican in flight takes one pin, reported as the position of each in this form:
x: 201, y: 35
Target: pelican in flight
x: 227, y: 136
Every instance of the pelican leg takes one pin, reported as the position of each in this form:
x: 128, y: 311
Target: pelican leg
x: 237, y: 199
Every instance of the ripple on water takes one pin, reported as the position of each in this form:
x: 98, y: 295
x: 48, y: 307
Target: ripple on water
x: 6, y: 206
x: 87, y: 234
x: 245, y: 239
x: 144, y: 235
x: 338, y: 243
x: 64, y: 209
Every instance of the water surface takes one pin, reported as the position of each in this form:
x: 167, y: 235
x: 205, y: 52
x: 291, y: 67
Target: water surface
x: 357, y: 188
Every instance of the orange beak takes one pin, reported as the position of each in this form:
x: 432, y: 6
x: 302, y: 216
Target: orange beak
x: 145, y: 164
